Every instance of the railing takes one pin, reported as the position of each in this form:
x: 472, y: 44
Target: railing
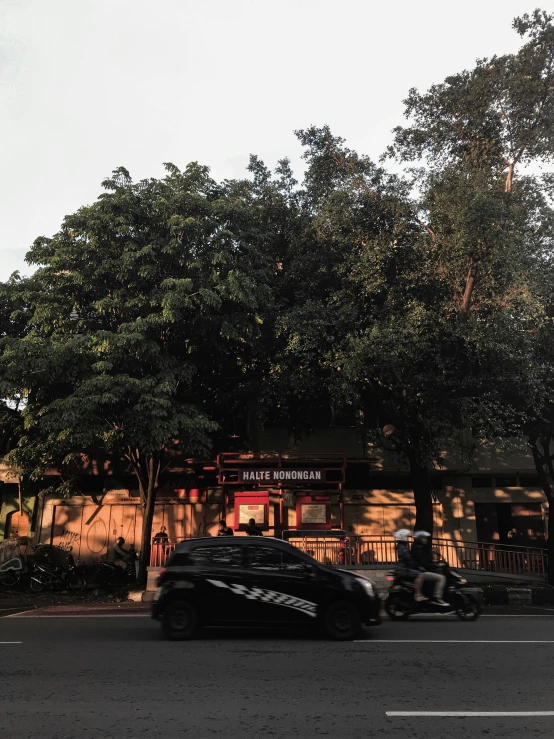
x: 160, y: 551
x: 370, y: 550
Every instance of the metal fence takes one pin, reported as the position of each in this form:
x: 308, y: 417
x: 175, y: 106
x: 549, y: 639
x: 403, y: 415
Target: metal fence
x: 160, y: 551
x: 370, y: 550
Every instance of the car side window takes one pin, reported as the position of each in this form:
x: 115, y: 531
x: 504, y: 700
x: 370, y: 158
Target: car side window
x: 179, y: 559
x: 293, y: 564
x: 274, y: 560
x: 220, y: 556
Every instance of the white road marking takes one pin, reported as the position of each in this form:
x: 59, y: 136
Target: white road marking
x: 498, y: 714
x: 452, y: 641
x: 438, y: 616
x: 11, y: 642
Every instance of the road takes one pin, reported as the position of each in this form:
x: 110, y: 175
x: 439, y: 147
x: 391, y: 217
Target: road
x: 110, y: 676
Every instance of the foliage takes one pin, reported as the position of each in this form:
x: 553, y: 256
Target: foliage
x: 134, y: 297
x: 173, y: 309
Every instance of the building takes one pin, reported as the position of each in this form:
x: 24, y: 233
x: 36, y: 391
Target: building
x: 328, y: 482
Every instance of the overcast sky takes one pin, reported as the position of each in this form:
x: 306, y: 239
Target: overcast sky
x: 89, y: 85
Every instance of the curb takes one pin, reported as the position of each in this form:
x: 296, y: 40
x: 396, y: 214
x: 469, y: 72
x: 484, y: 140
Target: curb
x: 494, y: 595
x: 141, y: 596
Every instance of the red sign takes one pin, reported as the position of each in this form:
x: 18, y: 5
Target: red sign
x: 251, y: 505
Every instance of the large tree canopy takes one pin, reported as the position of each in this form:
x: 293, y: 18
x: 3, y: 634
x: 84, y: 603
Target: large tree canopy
x: 134, y: 300
x: 173, y: 310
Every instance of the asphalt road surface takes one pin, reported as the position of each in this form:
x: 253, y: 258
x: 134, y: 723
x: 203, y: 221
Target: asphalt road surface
x: 114, y: 677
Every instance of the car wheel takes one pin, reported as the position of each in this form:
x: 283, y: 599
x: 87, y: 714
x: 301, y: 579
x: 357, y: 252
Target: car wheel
x: 342, y: 621
x: 180, y: 621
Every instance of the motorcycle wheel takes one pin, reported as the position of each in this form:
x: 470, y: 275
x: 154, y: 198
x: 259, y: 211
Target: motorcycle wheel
x: 37, y: 583
x: 9, y: 578
x: 77, y: 583
x: 469, y: 608
x: 395, y: 611
x: 102, y: 577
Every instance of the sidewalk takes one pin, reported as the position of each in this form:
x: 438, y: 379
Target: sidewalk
x: 81, y: 610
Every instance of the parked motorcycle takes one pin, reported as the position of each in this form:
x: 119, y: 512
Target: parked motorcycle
x: 48, y: 577
x: 400, y: 603
x: 11, y: 572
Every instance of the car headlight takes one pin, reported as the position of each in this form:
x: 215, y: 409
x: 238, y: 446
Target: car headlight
x: 463, y: 581
x: 367, y: 586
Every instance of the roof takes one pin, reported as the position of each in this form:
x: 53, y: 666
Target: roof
x: 184, y: 546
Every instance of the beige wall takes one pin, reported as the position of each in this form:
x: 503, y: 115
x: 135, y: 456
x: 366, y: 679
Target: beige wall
x: 91, y: 529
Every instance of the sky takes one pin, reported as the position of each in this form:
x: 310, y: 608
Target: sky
x: 90, y: 85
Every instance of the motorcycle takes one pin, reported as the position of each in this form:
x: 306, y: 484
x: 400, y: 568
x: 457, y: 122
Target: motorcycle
x: 110, y: 574
x: 11, y: 572
x: 400, y: 603
x: 51, y: 577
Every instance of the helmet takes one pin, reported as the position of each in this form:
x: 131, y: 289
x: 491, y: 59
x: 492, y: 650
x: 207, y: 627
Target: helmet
x: 401, y: 535
x: 418, y: 535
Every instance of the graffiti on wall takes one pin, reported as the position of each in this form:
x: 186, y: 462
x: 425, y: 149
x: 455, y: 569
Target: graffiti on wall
x: 68, y: 540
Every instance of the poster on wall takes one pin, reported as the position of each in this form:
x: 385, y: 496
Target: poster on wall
x: 313, y: 513
x: 252, y: 510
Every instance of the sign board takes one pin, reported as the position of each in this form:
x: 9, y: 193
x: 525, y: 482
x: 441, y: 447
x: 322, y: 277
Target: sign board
x: 311, y: 513
x: 276, y: 475
x: 251, y: 510
x: 288, y: 498
x: 116, y: 495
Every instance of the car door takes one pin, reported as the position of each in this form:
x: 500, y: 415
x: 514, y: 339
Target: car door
x: 283, y: 588
x: 219, y: 574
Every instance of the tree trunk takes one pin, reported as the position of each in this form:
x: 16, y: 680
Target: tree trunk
x: 147, y: 470
x: 421, y: 484
x: 510, y: 177
x: 543, y: 466
x: 146, y: 535
x: 468, y: 292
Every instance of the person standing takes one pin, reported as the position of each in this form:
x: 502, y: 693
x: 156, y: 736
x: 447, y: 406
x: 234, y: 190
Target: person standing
x: 252, y: 529
x: 225, y: 530
x: 161, y: 537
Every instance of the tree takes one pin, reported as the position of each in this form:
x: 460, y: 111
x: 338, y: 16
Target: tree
x: 373, y: 322
x: 490, y: 119
x: 133, y: 298
x: 357, y: 266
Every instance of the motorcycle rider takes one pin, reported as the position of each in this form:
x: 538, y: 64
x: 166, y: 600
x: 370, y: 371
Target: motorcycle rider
x: 120, y: 556
x: 407, y: 564
x: 423, y: 558
x: 410, y: 567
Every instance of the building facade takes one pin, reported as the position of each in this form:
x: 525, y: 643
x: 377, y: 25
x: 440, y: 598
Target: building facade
x: 326, y: 482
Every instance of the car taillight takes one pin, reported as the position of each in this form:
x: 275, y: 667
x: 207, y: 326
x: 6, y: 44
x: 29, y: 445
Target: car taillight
x: 390, y: 578
x: 159, y: 576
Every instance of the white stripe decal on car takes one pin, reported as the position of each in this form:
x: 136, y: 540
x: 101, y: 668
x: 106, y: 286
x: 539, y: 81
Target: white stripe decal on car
x: 269, y: 596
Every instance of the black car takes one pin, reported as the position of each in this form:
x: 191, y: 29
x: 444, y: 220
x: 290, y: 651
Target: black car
x: 247, y: 581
